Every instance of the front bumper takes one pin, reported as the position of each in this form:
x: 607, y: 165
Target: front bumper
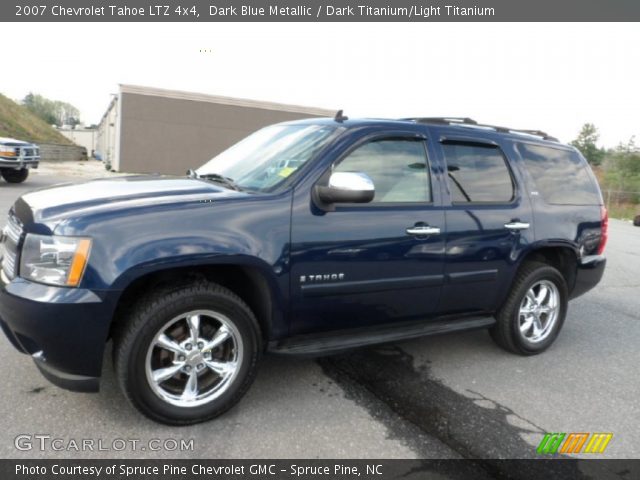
x: 589, y: 273
x: 63, y: 329
x: 19, y: 163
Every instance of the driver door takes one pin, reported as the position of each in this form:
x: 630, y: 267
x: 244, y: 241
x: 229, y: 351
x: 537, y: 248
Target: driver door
x: 355, y: 265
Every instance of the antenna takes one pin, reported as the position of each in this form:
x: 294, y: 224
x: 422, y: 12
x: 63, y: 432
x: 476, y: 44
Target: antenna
x: 340, y: 117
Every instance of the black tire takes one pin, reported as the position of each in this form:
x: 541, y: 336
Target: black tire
x: 15, y: 176
x: 151, y: 316
x: 506, y: 332
x: 636, y: 221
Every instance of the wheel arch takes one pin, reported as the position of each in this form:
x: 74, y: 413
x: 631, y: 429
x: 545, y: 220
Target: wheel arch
x: 562, y: 257
x: 250, y: 282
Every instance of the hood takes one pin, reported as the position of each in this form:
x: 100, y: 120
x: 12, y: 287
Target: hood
x: 12, y: 142
x: 69, y: 200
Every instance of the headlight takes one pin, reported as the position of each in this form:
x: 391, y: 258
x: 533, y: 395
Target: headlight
x: 7, y: 151
x: 54, y: 260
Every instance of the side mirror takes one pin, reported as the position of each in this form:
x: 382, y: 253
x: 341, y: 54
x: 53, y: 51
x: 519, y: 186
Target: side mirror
x: 347, y: 187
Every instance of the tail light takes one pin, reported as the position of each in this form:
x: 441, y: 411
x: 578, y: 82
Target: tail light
x: 604, y: 234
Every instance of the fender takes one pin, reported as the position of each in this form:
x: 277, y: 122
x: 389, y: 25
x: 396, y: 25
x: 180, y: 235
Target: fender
x: 277, y: 285
x: 543, y: 247
x: 252, y: 232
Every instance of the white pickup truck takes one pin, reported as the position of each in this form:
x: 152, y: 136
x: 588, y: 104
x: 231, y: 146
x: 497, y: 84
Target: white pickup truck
x: 16, y: 158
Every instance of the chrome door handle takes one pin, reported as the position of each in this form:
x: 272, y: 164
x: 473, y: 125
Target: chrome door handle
x: 423, y: 230
x: 514, y: 226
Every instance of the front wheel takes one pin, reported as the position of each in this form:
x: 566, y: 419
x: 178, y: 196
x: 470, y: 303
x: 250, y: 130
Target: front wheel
x: 188, y: 354
x: 533, y: 314
x: 15, y: 176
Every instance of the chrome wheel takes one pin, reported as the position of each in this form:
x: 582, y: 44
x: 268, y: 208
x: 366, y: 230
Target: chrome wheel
x: 194, y: 358
x: 539, y: 311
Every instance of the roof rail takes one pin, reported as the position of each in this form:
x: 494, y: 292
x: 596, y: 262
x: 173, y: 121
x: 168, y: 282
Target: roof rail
x: 538, y: 133
x: 472, y: 123
x: 444, y: 120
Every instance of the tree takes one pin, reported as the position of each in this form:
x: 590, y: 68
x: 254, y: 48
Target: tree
x: 41, y: 107
x: 66, y: 114
x: 54, y: 112
x: 623, y: 171
x: 586, y: 143
x: 628, y: 148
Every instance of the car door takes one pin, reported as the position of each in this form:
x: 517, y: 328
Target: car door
x: 488, y: 218
x: 356, y: 265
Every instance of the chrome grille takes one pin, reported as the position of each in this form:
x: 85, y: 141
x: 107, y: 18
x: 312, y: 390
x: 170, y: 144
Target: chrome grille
x: 11, y: 236
x: 22, y: 153
x: 27, y: 152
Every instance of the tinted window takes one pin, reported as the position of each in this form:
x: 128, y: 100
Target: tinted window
x: 477, y: 173
x: 397, y: 167
x: 561, y: 176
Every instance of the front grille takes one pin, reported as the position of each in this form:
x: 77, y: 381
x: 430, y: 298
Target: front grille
x: 11, y: 236
x: 27, y: 152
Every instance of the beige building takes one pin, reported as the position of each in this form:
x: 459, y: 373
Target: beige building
x: 152, y: 130
x: 84, y: 137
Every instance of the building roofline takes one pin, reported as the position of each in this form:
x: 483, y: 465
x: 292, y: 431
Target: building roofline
x: 238, y: 102
x: 112, y: 102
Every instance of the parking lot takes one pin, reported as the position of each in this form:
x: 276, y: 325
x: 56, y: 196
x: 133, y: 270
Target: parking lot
x: 439, y: 397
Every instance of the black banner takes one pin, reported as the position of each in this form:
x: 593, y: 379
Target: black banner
x: 316, y: 469
x: 320, y: 11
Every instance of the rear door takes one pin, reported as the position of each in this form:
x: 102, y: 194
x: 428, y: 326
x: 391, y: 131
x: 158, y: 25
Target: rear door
x: 489, y: 222
x: 365, y: 264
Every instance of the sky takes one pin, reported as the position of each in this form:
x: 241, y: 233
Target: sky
x: 546, y: 76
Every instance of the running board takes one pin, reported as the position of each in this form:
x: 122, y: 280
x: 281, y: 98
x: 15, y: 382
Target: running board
x: 331, y: 342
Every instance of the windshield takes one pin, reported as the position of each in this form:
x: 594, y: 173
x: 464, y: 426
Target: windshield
x: 267, y: 157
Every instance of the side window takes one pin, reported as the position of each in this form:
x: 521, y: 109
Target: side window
x: 561, y: 176
x: 398, y: 168
x: 477, y: 173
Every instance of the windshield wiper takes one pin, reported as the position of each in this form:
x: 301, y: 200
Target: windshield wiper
x: 217, y: 178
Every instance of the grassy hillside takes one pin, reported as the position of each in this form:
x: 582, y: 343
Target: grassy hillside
x: 18, y: 122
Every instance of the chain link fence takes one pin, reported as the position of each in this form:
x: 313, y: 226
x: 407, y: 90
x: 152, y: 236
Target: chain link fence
x: 624, y: 204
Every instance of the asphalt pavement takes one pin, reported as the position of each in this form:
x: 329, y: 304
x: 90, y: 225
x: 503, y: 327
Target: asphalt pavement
x: 450, y: 396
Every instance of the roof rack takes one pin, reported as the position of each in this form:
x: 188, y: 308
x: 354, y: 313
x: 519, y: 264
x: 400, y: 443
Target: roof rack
x: 445, y: 120
x: 472, y: 123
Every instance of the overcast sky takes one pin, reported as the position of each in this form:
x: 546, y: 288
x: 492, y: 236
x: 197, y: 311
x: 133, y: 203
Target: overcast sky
x: 552, y: 77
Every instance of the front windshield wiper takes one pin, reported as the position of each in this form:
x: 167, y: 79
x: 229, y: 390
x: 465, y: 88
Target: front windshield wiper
x: 215, y: 177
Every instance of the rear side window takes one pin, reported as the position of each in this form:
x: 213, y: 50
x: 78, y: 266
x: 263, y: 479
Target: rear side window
x: 561, y: 176
x: 477, y: 174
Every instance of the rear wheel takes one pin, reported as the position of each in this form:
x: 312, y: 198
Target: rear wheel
x: 531, y: 318
x: 187, y: 355
x: 15, y: 176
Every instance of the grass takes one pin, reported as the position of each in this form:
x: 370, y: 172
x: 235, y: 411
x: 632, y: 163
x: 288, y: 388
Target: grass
x: 623, y: 211
x: 18, y: 122
x: 617, y: 209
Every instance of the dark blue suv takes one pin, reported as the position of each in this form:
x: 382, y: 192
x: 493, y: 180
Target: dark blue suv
x: 307, y: 237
